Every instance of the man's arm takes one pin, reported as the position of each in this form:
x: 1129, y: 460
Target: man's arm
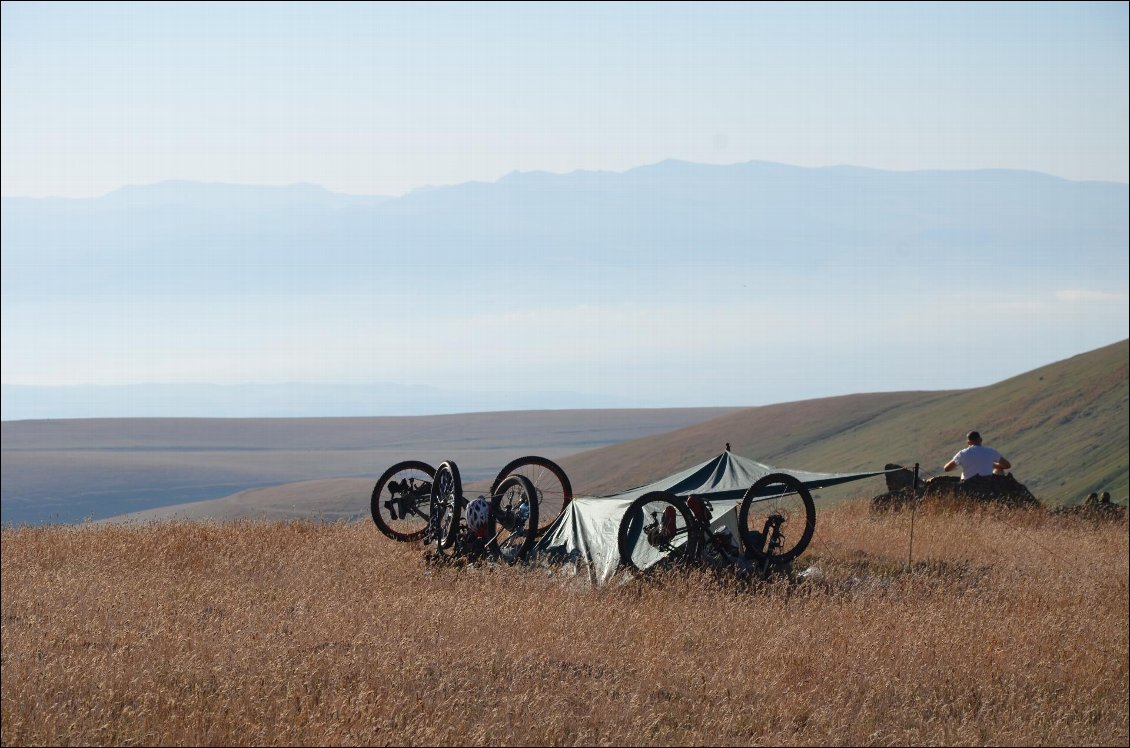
x: 1002, y: 464
x: 950, y: 465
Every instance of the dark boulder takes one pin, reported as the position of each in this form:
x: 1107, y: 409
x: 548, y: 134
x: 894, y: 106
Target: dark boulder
x: 1095, y: 507
x: 993, y: 489
x: 900, y: 489
x: 981, y: 489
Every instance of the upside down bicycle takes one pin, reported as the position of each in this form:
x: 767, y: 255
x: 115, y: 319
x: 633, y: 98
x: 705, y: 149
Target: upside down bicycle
x: 501, y: 527
x: 401, y: 499
x: 775, y: 520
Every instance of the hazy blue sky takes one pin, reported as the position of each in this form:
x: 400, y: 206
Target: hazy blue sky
x: 383, y: 98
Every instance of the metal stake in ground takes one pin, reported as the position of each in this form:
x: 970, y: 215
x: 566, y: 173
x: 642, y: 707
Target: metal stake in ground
x: 913, y: 506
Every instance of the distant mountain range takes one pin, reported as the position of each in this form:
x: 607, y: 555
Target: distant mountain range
x: 583, y: 233
x: 97, y: 284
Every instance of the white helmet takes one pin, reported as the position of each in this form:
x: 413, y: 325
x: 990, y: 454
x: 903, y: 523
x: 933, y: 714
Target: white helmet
x: 478, y: 514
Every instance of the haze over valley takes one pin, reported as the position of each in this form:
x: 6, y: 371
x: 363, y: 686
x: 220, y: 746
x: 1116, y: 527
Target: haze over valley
x: 669, y: 285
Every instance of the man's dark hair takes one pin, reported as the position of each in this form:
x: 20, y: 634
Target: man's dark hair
x: 973, y: 436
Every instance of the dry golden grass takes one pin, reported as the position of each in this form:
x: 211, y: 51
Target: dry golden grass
x: 1009, y: 628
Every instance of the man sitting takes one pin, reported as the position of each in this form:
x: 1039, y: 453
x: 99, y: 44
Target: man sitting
x: 977, y: 459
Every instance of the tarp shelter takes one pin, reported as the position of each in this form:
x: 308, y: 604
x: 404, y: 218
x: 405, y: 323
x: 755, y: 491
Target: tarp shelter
x: 586, y: 530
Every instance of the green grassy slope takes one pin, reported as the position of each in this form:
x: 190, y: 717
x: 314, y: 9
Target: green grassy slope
x: 1063, y: 426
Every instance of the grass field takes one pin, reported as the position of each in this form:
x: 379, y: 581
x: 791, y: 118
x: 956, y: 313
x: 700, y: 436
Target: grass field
x: 1005, y: 628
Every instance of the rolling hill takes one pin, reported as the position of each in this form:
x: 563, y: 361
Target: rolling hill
x: 65, y: 471
x: 1065, y: 427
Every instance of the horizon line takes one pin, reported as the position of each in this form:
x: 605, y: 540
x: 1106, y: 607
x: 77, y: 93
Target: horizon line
x: 520, y: 172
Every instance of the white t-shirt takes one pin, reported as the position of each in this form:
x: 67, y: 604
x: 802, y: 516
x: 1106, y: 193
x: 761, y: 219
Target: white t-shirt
x: 976, y: 460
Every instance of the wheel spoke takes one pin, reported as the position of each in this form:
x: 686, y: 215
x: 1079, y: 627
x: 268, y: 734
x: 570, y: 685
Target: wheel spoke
x: 551, y: 485
x: 777, y: 518
x: 514, y: 517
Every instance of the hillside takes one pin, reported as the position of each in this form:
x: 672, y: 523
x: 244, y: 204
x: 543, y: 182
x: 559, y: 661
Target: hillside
x: 1063, y: 426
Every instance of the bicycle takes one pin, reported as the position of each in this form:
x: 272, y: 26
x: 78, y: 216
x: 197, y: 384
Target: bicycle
x: 401, y: 499
x: 776, y: 521
x: 511, y: 521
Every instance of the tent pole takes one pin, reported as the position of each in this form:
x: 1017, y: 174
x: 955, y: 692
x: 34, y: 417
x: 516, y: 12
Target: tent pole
x: 913, y: 506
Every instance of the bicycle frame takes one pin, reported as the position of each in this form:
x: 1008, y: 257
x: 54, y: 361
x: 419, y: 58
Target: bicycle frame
x: 407, y: 497
x: 698, y: 533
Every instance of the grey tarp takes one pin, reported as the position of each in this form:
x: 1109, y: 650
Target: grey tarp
x: 586, y: 530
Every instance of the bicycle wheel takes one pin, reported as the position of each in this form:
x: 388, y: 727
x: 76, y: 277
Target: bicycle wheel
x: 655, y: 532
x: 513, y: 518
x: 777, y: 518
x: 554, y: 491
x: 401, y: 500
x: 446, y: 508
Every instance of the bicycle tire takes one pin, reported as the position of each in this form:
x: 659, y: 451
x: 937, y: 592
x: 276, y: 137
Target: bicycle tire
x: 637, y: 550
x: 380, y: 504
x: 446, y: 508
x: 513, y: 536
x: 554, y: 490
x: 781, y: 495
